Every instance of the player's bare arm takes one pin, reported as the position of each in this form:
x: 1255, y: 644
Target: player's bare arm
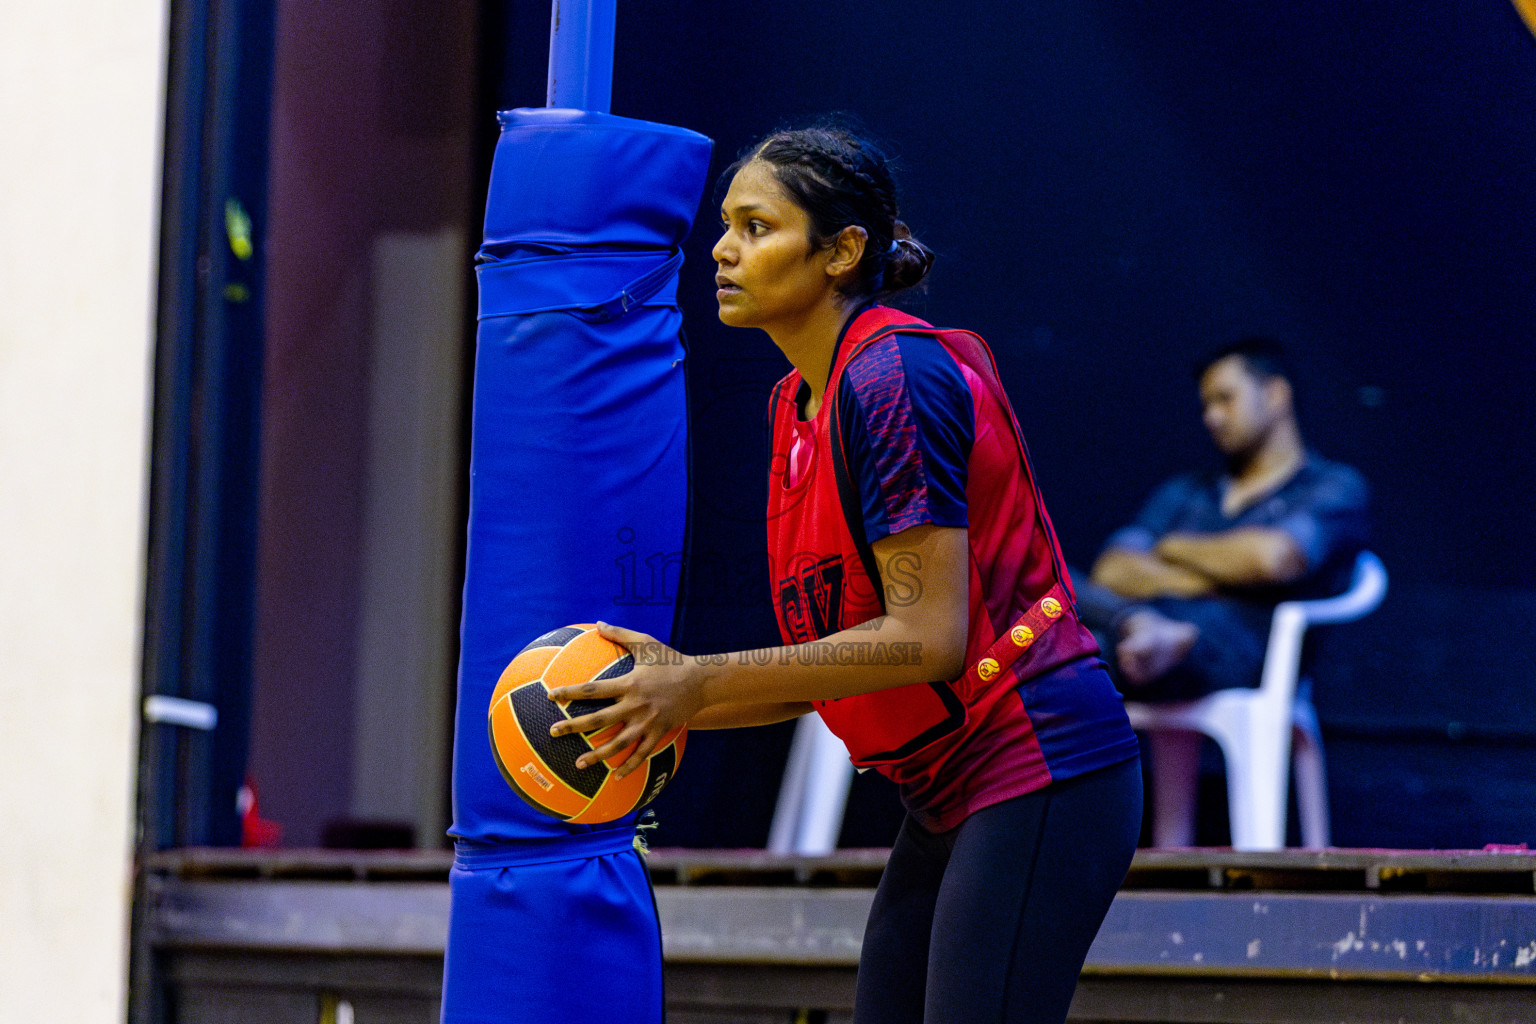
x: 926, y: 616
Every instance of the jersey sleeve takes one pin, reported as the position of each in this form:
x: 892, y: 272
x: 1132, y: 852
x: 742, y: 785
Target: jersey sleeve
x: 907, y: 419
x: 1331, y: 517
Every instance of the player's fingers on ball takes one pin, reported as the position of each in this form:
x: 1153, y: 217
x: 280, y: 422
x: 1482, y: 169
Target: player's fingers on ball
x: 617, y: 744
x: 594, y: 722
x: 604, y: 750
x: 620, y: 635
x: 636, y: 759
x: 597, y: 689
x: 645, y: 746
x: 643, y: 646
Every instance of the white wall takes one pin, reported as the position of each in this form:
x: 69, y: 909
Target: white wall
x: 81, y: 99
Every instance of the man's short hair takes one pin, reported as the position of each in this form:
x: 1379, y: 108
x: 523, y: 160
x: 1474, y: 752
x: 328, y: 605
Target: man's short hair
x: 1264, y: 357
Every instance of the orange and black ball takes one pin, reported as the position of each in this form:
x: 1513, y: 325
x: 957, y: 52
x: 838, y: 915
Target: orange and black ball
x: 541, y: 768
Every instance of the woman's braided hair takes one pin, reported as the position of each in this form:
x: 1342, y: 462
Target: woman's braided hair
x: 842, y: 180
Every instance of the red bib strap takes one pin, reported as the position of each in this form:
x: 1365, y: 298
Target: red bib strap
x: 1007, y: 648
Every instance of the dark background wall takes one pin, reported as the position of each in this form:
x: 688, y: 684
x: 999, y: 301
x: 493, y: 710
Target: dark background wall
x: 1111, y: 189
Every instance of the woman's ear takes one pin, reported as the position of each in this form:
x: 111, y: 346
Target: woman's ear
x: 847, y: 250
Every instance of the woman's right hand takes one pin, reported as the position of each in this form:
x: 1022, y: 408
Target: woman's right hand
x: 652, y: 700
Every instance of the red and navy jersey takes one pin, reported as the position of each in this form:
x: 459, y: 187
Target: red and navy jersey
x: 915, y: 429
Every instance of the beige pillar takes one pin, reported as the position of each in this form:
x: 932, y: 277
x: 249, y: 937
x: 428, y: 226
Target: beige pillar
x: 81, y: 102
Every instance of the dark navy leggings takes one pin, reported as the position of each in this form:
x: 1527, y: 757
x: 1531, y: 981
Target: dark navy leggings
x: 989, y: 923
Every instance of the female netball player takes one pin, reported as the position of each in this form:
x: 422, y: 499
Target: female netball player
x: 923, y: 604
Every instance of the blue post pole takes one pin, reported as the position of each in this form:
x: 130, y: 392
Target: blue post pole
x: 581, y: 54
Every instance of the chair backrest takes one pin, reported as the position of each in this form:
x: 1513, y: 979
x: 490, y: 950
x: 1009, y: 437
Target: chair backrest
x: 1364, y: 595
x: 1282, y: 658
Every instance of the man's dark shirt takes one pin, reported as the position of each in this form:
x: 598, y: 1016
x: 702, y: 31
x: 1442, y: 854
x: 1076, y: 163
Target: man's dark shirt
x: 1324, y: 506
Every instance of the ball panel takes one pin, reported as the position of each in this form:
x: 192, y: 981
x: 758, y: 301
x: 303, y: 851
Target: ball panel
x: 529, y: 664
x: 541, y: 768
x: 582, y: 659
x: 654, y: 774
x: 659, y: 771
x: 558, y: 637
x: 534, y: 713
x: 618, y: 668
x: 523, y: 769
x: 617, y: 798
x: 577, y: 708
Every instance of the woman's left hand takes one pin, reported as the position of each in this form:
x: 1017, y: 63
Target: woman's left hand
x: 662, y: 692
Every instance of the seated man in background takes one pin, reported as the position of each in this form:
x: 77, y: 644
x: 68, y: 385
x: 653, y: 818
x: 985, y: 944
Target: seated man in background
x: 1181, y: 599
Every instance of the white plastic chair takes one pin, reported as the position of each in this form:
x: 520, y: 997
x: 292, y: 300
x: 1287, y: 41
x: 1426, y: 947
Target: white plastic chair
x: 1255, y: 730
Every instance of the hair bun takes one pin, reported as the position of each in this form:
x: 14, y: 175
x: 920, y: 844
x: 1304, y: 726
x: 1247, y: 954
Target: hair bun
x: 909, y: 262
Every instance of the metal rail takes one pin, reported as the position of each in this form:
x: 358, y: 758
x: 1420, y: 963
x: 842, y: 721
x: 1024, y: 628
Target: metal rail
x: 1195, y: 935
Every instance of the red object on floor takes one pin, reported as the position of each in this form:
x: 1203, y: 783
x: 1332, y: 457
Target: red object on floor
x: 254, y: 829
